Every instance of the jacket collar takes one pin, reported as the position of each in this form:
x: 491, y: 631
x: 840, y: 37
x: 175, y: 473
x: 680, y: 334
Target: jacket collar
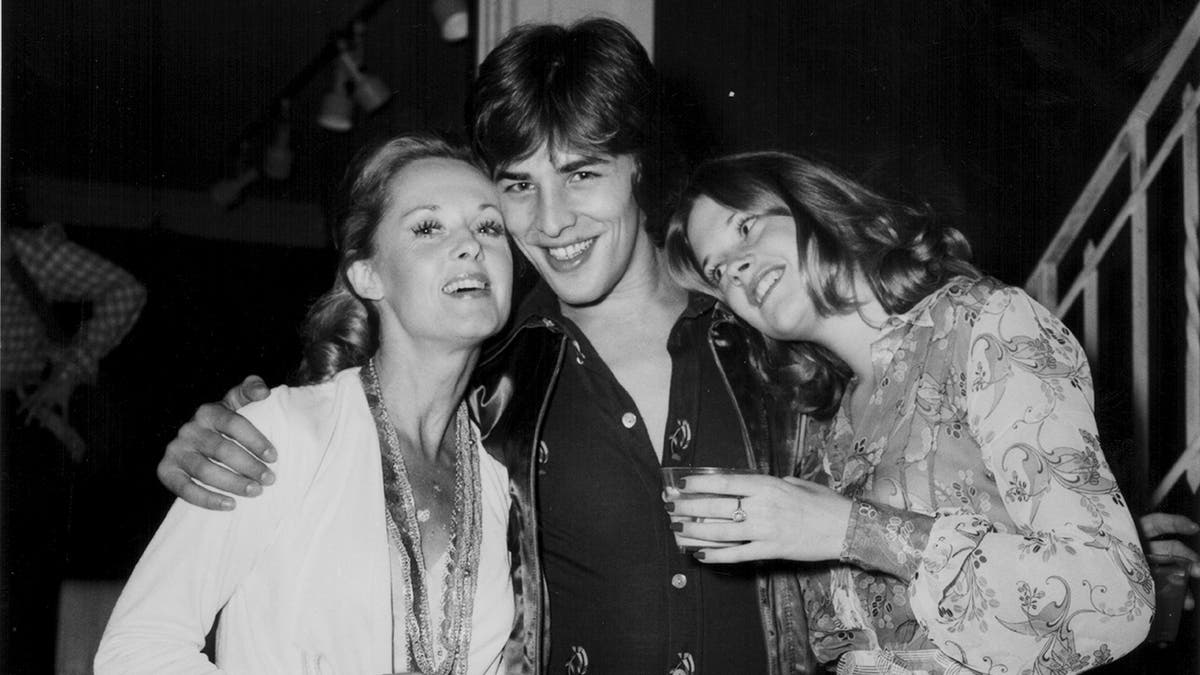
x: 540, y: 303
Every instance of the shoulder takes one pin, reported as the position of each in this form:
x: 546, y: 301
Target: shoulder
x: 996, y: 303
x: 966, y: 292
x: 973, y: 303
x: 293, y: 415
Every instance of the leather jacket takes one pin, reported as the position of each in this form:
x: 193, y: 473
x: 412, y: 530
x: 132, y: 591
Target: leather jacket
x: 510, y: 395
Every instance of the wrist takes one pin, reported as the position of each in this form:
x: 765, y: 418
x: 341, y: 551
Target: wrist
x: 842, y: 523
x: 885, y: 538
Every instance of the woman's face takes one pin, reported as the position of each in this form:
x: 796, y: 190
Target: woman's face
x: 442, y: 269
x: 752, y: 262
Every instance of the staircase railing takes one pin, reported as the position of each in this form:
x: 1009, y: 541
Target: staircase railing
x: 1130, y: 149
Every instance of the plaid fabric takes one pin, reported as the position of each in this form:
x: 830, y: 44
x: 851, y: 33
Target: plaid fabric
x: 64, y: 272
x: 910, y: 662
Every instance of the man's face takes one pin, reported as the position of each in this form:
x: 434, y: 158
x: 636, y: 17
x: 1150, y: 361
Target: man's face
x: 574, y: 216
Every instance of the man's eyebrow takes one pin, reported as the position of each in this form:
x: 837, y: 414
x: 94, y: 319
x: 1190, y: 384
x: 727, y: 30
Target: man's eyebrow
x: 577, y: 164
x: 508, y: 174
x: 570, y: 167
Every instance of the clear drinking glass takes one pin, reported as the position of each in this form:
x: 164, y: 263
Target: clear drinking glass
x: 673, y: 474
x: 1170, y: 588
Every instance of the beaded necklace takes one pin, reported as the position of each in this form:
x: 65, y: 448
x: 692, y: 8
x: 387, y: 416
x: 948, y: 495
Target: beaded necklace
x: 442, y: 651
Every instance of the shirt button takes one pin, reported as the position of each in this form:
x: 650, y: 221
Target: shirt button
x: 629, y: 419
x: 679, y: 580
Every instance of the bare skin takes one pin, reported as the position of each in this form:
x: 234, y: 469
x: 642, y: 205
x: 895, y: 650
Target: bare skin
x: 634, y: 346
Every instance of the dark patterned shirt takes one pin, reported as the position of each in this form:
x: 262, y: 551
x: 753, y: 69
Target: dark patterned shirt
x: 623, y: 599
x: 63, y: 272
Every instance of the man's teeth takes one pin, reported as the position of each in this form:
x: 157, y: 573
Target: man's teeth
x: 563, y: 253
x: 765, y: 283
x: 465, y: 285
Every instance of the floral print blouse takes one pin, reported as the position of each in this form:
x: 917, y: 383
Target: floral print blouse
x: 986, y: 523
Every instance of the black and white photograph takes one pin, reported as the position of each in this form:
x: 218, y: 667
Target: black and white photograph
x: 600, y: 337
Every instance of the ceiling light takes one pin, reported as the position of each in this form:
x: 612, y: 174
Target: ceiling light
x: 452, y: 19
x: 337, y: 110
x: 369, y: 91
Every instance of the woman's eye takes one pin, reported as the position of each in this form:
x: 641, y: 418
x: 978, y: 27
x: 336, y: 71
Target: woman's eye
x: 491, y: 227
x: 746, y: 224
x: 426, y: 228
x: 716, y: 274
x: 583, y: 175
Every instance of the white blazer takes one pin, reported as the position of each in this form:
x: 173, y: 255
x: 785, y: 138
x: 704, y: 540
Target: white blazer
x: 301, y: 575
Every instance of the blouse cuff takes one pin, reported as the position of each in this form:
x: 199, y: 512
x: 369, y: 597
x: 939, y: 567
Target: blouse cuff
x: 886, y: 539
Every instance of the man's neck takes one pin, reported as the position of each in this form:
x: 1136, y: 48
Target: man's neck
x: 647, y: 295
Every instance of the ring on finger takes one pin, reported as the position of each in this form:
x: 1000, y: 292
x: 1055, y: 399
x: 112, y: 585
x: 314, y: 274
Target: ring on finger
x: 738, y: 515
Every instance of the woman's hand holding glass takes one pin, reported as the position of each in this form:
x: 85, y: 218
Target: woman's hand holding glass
x: 758, y: 518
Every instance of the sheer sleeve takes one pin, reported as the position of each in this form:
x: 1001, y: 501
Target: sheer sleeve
x: 1065, y: 587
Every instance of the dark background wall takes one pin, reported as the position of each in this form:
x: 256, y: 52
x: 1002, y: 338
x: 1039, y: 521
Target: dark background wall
x: 157, y: 93
x: 155, y: 96
x: 995, y: 113
x: 215, y: 313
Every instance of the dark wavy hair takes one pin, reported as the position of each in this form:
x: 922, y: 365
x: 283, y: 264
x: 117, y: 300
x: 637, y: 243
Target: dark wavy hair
x: 342, y: 330
x: 844, y: 231
x: 588, y: 87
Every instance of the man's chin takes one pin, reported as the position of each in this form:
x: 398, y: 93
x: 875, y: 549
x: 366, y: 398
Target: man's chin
x: 577, y: 291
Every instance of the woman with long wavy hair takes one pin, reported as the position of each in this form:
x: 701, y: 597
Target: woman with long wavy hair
x: 383, y: 546
x: 953, y: 498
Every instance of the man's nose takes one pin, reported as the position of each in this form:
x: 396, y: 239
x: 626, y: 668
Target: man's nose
x: 554, y: 213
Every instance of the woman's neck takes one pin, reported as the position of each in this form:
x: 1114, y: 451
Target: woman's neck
x: 422, y: 387
x: 850, y: 337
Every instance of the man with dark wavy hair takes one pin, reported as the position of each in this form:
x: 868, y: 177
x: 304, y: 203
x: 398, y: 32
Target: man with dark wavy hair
x: 611, y: 371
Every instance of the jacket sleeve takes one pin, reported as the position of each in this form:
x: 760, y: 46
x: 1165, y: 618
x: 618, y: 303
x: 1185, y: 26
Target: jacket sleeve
x: 1067, y: 588
x: 192, y: 566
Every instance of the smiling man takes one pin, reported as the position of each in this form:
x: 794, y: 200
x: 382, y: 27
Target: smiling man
x: 610, y: 371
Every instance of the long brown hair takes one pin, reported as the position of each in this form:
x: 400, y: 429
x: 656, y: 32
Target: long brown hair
x: 844, y: 231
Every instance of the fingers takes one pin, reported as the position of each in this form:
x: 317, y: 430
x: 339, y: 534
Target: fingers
x: 704, y: 507
x: 712, y: 530
x: 733, y: 554
x: 193, y: 454
x: 253, y: 388
x: 1177, y: 549
x: 1174, y: 548
x: 201, y: 447
x: 216, y: 420
x: 724, y: 484
x: 1160, y: 524
x: 181, y: 486
x: 693, y: 543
